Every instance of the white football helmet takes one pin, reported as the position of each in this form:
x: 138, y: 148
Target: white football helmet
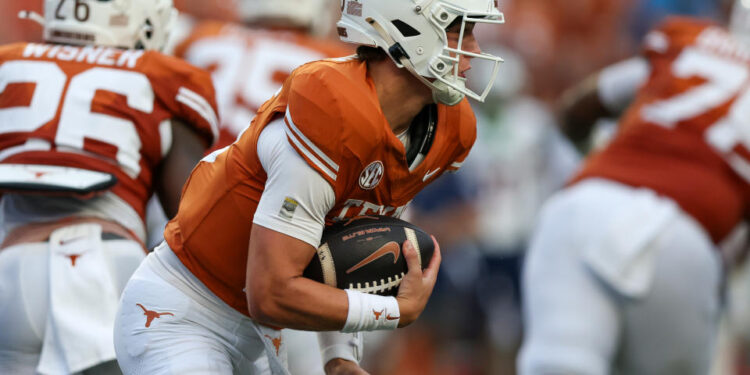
x: 115, y: 23
x: 412, y: 32
x: 313, y: 15
x: 739, y: 21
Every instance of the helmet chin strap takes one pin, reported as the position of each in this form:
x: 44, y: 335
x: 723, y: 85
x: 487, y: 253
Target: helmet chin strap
x: 441, y: 91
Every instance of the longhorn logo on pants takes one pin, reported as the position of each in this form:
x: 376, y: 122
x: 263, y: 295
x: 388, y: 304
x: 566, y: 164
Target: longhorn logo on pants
x: 151, y: 315
x: 276, y: 343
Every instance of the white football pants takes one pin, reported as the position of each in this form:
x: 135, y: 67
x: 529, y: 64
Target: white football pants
x: 618, y: 280
x: 58, y: 301
x: 170, y: 323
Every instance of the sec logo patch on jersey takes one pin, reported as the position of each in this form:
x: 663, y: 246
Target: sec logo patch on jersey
x: 371, y: 175
x: 364, y: 254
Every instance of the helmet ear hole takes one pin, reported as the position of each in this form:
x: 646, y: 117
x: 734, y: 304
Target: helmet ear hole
x: 405, y: 29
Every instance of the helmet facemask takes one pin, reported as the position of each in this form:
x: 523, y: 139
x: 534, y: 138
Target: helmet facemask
x: 449, y: 86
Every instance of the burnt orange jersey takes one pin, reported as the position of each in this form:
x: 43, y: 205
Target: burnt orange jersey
x: 333, y: 120
x: 99, y: 108
x: 249, y: 65
x: 686, y: 135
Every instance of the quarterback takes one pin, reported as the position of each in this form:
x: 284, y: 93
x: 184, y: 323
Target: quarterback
x: 91, y: 123
x: 625, y: 270
x: 341, y: 138
x: 249, y: 61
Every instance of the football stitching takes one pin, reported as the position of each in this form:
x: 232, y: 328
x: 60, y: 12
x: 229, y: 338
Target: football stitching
x: 378, y: 287
x: 411, y: 235
x: 327, y: 265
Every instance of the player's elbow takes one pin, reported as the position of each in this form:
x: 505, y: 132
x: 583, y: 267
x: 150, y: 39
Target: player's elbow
x: 264, y: 304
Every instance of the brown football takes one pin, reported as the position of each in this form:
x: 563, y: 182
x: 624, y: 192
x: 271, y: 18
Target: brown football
x: 365, y: 254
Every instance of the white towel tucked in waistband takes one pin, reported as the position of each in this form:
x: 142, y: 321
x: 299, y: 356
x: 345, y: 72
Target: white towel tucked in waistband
x: 83, y: 302
x: 618, y: 238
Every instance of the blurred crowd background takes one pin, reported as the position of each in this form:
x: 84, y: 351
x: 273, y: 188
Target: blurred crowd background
x: 484, y: 214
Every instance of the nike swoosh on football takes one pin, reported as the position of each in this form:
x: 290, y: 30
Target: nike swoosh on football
x: 429, y: 174
x: 389, y: 248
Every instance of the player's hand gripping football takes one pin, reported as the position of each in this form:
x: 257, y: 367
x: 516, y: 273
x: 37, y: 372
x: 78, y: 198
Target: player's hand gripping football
x: 416, y: 287
x: 338, y: 366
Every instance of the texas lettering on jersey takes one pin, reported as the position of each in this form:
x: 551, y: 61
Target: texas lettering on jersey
x: 685, y: 135
x: 249, y: 65
x: 333, y: 121
x: 98, y: 108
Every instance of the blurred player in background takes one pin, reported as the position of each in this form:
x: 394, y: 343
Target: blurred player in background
x: 625, y: 269
x: 250, y: 61
x: 342, y: 138
x: 519, y: 160
x: 90, y: 125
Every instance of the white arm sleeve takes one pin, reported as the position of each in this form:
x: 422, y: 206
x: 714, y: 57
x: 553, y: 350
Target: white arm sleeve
x: 296, y: 198
x: 618, y: 83
x: 335, y: 344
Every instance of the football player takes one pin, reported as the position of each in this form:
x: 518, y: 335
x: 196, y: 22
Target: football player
x: 249, y: 61
x: 341, y: 138
x: 624, y: 271
x: 91, y: 123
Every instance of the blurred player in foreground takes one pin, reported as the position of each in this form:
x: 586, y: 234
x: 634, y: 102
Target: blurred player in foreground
x: 625, y: 269
x: 90, y: 125
x: 342, y: 138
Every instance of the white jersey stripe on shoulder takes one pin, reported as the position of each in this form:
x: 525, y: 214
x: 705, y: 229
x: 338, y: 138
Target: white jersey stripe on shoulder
x: 307, y: 153
x: 308, y: 142
x: 200, y: 105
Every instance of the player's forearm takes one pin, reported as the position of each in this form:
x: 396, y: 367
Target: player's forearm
x: 579, y: 109
x: 299, y: 303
